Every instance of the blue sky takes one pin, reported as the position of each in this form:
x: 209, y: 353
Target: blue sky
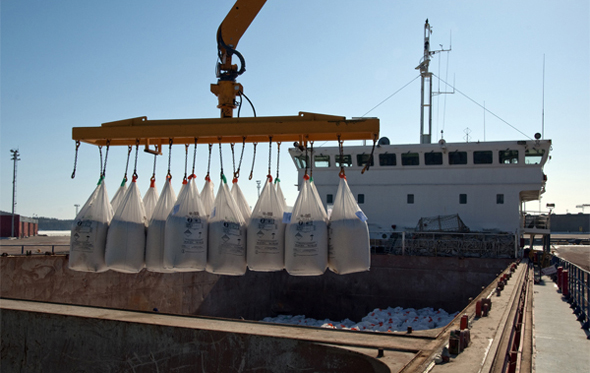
x: 71, y: 64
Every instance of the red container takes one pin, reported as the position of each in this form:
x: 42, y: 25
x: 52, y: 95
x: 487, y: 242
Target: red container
x: 478, y: 308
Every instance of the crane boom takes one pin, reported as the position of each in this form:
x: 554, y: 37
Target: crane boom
x: 229, y: 33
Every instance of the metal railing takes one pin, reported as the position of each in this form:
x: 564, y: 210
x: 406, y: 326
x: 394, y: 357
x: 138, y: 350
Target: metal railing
x: 578, y: 289
x: 34, y: 248
x: 536, y: 221
x: 478, y: 245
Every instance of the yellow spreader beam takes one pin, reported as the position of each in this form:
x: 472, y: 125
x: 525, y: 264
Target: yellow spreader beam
x: 302, y: 128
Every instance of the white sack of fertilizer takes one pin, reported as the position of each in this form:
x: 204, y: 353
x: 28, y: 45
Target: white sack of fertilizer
x: 185, y: 247
x: 150, y: 199
x: 306, y: 236
x: 208, y: 196
x: 154, y: 246
x: 280, y: 195
x: 349, y: 250
x: 240, y: 199
x: 227, y: 236
x: 266, y: 233
x: 125, y: 248
x: 89, y: 233
x: 119, y: 195
x: 318, y: 199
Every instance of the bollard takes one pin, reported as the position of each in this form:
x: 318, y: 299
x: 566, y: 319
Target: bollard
x: 498, y: 291
x: 454, y: 344
x: 565, y: 283
x: 465, y: 338
x: 559, y: 270
x: 485, y: 310
x: 478, y: 308
x: 464, y: 322
x: 409, y: 330
x: 488, y: 302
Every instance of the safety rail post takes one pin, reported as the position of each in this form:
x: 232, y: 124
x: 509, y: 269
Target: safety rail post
x: 404, y: 243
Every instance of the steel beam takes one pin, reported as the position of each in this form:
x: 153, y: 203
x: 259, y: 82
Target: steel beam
x: 302, y: 128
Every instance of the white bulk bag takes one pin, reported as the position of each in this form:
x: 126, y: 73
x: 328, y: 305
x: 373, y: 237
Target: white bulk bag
x: 208, y: 196
x: 318, y: 199
x: 89, y: 233
x: 227, y: 236
x: 349, y: 249
x: 266, y: 233
x: 150, y: 199
x: 154, y: 245
x: 240, y: 199
x: 119, y: 195
x: 185, y: 243
x: 125, y: 248
x: 306, y: 236
x: 280, y: 195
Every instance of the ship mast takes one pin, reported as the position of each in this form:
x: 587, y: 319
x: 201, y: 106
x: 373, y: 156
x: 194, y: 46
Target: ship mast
x: 426, y: 78
x: 426, y: 100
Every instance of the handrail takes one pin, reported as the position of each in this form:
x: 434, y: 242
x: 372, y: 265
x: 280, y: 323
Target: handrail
x: 578, y: 289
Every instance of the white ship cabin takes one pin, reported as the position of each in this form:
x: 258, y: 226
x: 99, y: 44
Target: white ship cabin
x: 485, y: 183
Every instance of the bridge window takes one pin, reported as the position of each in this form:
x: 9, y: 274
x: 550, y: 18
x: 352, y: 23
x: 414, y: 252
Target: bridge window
x: 362, y: 159
x: 301, y: 161
x: 321, y: 160
x: 361, y: 198
x: 410, y: 199
x: 458, y: 157
x: 410, y: 159
x: 387, y: 159
x: 483, y: 157
x: 433, y: 158
x: 330, y: 199
x: 533, y: 156
x: 463, y: 199
x: 508, y: 156
x: 343, y: 161
x: 499, y: 199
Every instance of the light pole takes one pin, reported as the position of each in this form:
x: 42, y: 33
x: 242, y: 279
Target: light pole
x: 76, y: 205
x: 15, y: 159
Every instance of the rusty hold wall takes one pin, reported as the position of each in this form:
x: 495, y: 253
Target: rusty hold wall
x: 392, y: 281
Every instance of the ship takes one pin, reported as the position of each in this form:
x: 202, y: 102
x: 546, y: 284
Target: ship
x: 477, y: 189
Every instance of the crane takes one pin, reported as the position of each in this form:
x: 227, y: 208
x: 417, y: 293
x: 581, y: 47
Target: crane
x: 300, y: 128
x: 229, y: 33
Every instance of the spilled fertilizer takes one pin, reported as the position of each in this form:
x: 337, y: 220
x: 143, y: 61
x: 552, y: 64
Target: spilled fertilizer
x: 379, y: 320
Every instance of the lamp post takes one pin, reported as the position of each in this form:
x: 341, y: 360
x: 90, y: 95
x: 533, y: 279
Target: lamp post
x: 15, y: 159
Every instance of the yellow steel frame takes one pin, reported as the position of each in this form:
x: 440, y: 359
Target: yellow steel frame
x: 302, y: 128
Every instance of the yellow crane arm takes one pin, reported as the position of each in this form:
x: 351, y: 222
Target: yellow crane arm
x: 229, y: 33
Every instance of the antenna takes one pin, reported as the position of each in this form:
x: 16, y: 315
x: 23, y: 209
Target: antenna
x: 543, y: 106
x: 467, y: 132
x: 426, y: 87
